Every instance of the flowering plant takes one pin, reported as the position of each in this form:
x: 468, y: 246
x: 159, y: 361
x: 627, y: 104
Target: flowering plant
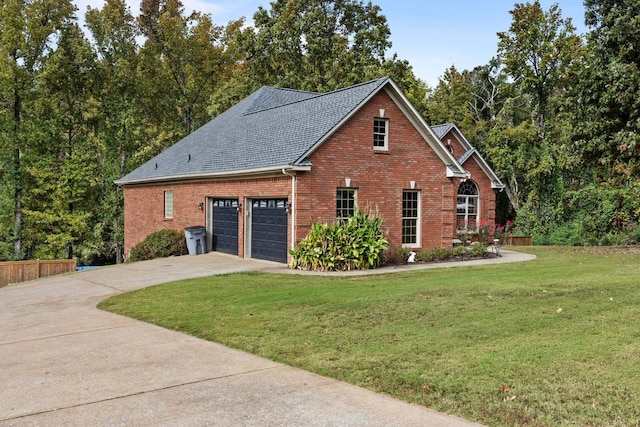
x: 505, y: 230
x: 482, y: 229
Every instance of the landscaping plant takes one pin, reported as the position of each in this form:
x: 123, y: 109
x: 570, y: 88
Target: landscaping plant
x: 160, y: 244
x: 353, y: 244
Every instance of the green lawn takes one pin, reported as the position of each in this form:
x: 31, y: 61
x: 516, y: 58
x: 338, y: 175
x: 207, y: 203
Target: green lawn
x: 555, y: 341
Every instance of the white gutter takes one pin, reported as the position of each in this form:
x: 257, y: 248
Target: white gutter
x: 230, y: 174
x: 293, y: 205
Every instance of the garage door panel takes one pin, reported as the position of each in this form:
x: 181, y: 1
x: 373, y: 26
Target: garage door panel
x: 269, y: 229
x: 225, y: 226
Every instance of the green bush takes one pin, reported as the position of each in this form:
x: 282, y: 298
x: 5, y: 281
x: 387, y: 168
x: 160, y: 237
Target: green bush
x: 397, y: 256
x: 441, y: 254
x: 478, y: 249
x: 459, y: 251
x: 357, y: 243
x: 568, y: 234
x: 160, y: 244
x: 424, y: 255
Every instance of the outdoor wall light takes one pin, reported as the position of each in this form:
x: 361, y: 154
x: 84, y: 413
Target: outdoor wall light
x: 239, y: 208
x: 286, y: 207
x: 200, y: 206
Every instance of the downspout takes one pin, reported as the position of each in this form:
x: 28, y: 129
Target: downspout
x: 293, y: 205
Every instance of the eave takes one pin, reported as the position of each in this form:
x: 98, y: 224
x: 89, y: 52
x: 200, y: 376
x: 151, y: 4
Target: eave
x: 263, y: 172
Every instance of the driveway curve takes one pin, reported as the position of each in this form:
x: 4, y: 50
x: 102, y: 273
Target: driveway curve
x: 64, y: 362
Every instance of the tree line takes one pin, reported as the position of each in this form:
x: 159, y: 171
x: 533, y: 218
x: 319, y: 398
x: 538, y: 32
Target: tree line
x: 555, y: 113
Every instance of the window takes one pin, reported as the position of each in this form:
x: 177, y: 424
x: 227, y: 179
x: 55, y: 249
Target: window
x: 168, y: 204
x: 467, y: 207
x: 410, y: 217
x: 380, y: 134
x: 345, y: 203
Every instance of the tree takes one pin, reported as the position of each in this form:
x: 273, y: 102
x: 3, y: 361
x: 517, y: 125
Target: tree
x: 27, y: 34
x: 61, y: 168
x: 451, y: 99
x: 316, y: 45
x: 537, y: 50
x: 188, y: 54
x: 120, y: 131
x: 607, y: 96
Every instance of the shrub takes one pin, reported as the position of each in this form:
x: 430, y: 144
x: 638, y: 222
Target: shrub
x: 459, y: 251
x: 397, y: 256
x: 425, y: 255
x: 441, y: 254
x: 160, y: 244
x: 353, y: 244
x: 568, y: 234
x: 478, y: 249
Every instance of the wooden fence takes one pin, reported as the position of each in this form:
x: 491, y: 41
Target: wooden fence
x: 21, y: 271
x: 518, y: 240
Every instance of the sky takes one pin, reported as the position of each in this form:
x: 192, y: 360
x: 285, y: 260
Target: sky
x: 432, y: 35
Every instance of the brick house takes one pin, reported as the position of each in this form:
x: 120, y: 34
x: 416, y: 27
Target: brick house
x: 260, y: 174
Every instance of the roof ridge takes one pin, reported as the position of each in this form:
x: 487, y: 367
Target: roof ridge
x: 316, y: 95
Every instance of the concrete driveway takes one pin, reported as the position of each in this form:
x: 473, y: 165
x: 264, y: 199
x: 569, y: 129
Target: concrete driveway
x: 64, y: 362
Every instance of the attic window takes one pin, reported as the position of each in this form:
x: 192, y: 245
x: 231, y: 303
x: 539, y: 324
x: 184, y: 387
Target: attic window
x: 380, y: 134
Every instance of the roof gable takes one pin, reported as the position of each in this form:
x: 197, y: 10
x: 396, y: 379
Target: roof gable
x: 470, y: 152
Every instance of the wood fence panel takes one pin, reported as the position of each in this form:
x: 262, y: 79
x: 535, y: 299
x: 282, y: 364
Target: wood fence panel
x: 21, y: 271
x: 519, y: 240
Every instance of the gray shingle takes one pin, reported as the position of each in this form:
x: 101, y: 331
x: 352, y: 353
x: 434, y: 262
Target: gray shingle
x: 270, y: 128
x: 442, y: 130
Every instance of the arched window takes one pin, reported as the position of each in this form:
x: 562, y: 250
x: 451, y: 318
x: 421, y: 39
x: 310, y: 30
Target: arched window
x: 467, y: 206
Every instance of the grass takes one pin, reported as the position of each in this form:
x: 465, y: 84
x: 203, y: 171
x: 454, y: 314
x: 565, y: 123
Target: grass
x: 555, y: 341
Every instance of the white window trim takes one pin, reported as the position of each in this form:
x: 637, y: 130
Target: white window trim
x: 355, y: 200
x: 418, y: 220
x: 386, y: 134
x: 168, y: 204
x: 469, y: 197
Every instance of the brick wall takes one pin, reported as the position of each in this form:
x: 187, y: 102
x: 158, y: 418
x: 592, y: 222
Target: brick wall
x: 487, y: 196
x: 144, y: 205
x: 381, y: 176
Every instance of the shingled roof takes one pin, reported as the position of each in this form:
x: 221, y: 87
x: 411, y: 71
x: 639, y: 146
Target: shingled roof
x: 270, y: 129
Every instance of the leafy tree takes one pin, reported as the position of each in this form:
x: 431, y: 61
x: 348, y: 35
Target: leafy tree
x: 27, y: 37
x: 188, y: 54
x: 451, y: 99
x: 61, y: 169
x: 120, y: 132
x: 316, y: 45
x: 607, y: 99
x: 537, y: 50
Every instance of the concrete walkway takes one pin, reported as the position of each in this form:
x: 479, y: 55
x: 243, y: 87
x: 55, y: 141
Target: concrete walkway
x: 63, y: 362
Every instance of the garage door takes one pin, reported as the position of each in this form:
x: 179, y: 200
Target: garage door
x: 269, y: 229
x: 225, y: 226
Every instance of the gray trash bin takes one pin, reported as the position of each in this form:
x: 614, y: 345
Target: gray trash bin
x: 196, y: 239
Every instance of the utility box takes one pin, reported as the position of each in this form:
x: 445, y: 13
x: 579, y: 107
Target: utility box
x: 196, y: 237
